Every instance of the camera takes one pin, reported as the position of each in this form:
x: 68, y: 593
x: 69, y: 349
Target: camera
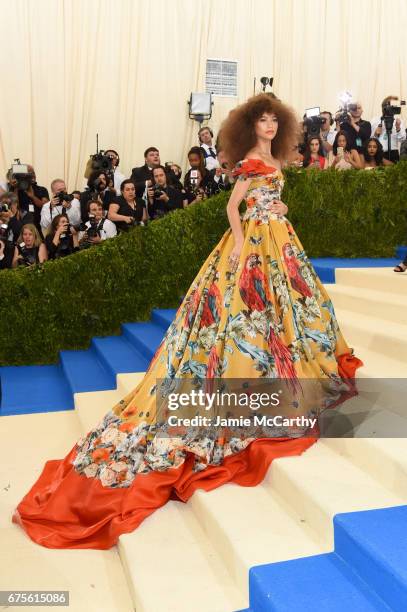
x: 389, y: 112
x: 64, y: 197
x: 93, y: 231
x: 157, y: 191
x: 313, y: 122
x: 4, y: 207
x: 28, y: 257
x: 20, y: 173
x: 4, y: 232
x: 99, y: 162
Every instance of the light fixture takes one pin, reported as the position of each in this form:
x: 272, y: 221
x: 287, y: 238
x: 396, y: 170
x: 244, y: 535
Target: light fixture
x: 200, y: 106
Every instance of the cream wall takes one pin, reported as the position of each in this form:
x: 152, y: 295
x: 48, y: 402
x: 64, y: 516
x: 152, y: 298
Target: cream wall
x: 125, y: 69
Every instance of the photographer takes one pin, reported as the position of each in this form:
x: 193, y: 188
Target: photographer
x: 62, y: 239
x: 98, y: 228
x: 31, y: 197
x: 99, y: 185
x: 29, y: 249
x: 128, y: 210
x: 118, y: 177
x: 356, y: 129
x: 194, y: 190
x: 397, y: 130
x: 196, y: 161
x: 60, y: 203
x: 328, y: 132
x: 142, y: 176
x: 162, y: 198
x: 10, y: 215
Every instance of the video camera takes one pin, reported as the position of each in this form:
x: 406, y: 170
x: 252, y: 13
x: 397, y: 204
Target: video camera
x: 313, y: 122
x: 99, y: 162
x: 19, y: 172
x: 64, y: 197
x: 389, y: 112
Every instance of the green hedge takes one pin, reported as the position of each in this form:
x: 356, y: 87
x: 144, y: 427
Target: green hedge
x: 62, y: 304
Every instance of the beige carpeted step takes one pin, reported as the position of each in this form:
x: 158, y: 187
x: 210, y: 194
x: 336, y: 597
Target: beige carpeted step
x: 376, y: 279
x: 374, y: 303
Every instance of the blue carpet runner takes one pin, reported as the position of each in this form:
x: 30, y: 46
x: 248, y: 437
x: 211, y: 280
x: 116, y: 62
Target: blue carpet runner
x: 367, y: 572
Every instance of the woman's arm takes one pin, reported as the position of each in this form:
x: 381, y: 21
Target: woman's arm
x: 387, y: 162
x: 15, y: 258
x: 232, y: 209
x: 42, y: 253
x: 355, y: 159
x: 112, y: 215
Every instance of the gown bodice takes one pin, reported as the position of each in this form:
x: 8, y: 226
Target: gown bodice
x: 266, y: 186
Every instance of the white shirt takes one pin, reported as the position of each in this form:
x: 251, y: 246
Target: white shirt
x: 73, y: 213
x: 396, y: 137
x: 107, y: 231
x: 331, y: 135
x: 118, y: 180
x: 210, y: 162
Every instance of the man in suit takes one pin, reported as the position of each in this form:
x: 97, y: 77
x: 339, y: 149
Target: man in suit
x: 144, y: 174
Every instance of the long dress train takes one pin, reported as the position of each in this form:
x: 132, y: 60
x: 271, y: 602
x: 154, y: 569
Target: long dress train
x: 270, y: 319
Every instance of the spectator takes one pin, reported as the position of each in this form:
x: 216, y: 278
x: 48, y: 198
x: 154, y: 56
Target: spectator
x: 11, y: 215
x: 174, y: 175
x: 29, y: 248
x: 129, y: 209
x: 373, y: 155
x: 58, y: 206
x: 343, y: 156
x: 296, y: 158
x: 328, y: 132
x: 118, y: 177
x: 142, y: 176
x: 205, y: 136
x: 62, y: 239
x: 396, y: 135
x: 98, y: 228
x: 196, y: 161
x: 162, y: 198
x: 356, y: 129
x: 314, y: 154
x: 98, y: 187
x: 403, y: 149
x: 194, y: 190
x: 221, y: 176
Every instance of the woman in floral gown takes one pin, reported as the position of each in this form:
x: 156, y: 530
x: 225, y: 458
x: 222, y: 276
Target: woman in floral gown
x: 256, y: 311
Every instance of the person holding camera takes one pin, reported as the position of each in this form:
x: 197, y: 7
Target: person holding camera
x: 29, y: 249
x: 357, y: 130
x: 328, y: 132
x: 31, y: 196
x: 397, y: 130
x: 343, y: 156
x: 98, y: 228
x: 62, y: 239
x: 222, y: 179
x: 195, y: 192
x: 128, y: 210
x: 8, y: 230
x: 196, y: 162
x: 142, y: 177
x: 99, y: 186
x: 118, y: 177
x: 61, y: 203
x: 162, y: 198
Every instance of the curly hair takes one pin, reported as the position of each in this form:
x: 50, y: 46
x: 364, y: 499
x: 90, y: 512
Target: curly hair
x: 238, y: 136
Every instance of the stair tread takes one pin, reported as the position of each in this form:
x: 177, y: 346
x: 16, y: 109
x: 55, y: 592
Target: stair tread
x: 323, y: 582
x: 121, y: 356
x: 365, y: 292
x: 185, y: 552
x: 369, y: 323
x: 378, y: 365
x: 84, y: 372
x: 26, y: 389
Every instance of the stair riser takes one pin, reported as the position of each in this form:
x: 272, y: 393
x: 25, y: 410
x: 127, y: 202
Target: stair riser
x: 102, y: 359
x: 384, y: 310
x: 139, y: 345
x: 376, y: 340
x: 375, y: 573
x: 369, y: 457
x: 159, y: 320
x: 388, y: 282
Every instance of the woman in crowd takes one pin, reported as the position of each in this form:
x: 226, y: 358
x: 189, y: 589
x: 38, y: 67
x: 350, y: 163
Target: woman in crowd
x: 195, y: 190
x: 98, y: 228
x: 129, y: 209
x: 62, y: 239
x: 314, y: 154
x: 342, y: 156
x: 373, y: 155
x: 29, y: 249
x: 197, y: 163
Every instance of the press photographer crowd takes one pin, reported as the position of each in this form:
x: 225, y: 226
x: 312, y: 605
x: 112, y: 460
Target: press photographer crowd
x: 36, y: 226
